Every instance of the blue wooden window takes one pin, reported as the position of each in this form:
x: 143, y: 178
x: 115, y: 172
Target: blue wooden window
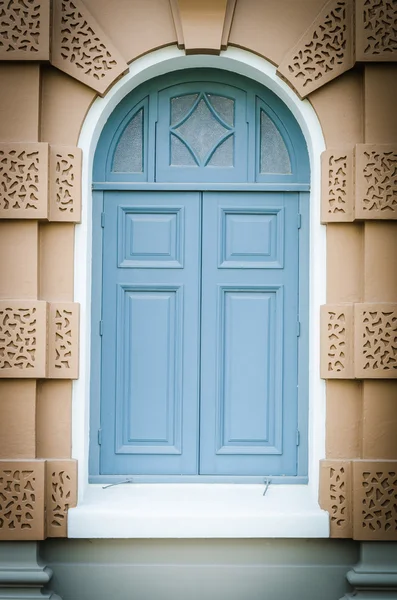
x: 200, y: 285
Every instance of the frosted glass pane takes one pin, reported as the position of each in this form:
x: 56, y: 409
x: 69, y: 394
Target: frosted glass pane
x: 224, y: 107
x: 180, y: 155
x: 202, y: 131
x: 223, y: 155
x: 274, y: 153
x: 180, y: 106
x: 128, y: 157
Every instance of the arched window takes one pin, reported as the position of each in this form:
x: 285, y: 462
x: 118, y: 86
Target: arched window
x: 200, y: 282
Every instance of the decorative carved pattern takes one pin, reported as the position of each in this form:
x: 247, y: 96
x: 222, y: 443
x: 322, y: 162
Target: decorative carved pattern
x: 65, y: 184
x: 324, y: 51
x: 23, y: 181
x: 63, y: 341
x: 61, y: 495
x: 335, y: 496
x: 25, y: 30
x: 376, y: 30
x: 338, y: 187
x: 23, y: 338
x: 376, y: 341
x: 376, y: 181
x: 337, y: 341
x: 81, y: 49
x: 375, y: 500
x: 21, y: 500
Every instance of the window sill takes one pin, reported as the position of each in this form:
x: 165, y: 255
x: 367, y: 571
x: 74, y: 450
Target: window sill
x: 198, y: 511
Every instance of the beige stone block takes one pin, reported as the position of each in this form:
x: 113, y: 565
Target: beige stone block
x: 337, y: 198
x: 376, y: 30
x: 324, y: 52
x: 137, y: 26
x: 227, y: 24
x: 25, y: 30
x: 22, y: 500
x: 64, y: 105
x: 61, y: 494
x: 19, y: 259
x: 376, y: 181
x: 65, y: 184
x: 23, y: 181
x: 63, y: 340
x: 345, y: 262
x: 380, y: 420
x: 19, y: 101
x: 23, y: 338
x: 202, y: 24
x: 177, y: 23
x: 374, y: 500
x: 257, y: 26
x: 340, y: 108
x: 337, y: 341
x: 336, y: 496
x: 375, y: 343
x: 380, y: 261
x: 344, y: 419
x: 380, y: 116
x: 56, y: 255
x: 17, y: 419
x: 80, y: 48
x: 53, y: 418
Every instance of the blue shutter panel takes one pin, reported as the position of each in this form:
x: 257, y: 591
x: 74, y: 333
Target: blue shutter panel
x: 150, y: 333
x: 249, y: 343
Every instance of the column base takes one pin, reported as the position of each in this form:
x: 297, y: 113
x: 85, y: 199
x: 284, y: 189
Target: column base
x: 22, y: 577
x: 375, y: 576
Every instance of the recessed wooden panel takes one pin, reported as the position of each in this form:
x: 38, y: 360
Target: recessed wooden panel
x: 151, y: 238
x: 148, y: 419
x: 249, y: 376
x: 249, y: 336
x: 252, y: 238
x: 149, y: 334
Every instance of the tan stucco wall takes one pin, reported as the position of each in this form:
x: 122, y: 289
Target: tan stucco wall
x: 47, y: 102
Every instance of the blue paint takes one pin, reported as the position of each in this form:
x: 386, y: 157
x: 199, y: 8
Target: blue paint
x: 249, y: 344
x: 150, y: 340
x: 200, y: 276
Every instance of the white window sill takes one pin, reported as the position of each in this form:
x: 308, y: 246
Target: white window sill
x: 198, y: 511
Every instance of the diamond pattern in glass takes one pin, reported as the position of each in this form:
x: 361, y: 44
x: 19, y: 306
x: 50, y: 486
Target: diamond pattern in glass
x: 201, y: 131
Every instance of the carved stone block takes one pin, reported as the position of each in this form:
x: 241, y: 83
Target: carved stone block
x: 376, y: 30
x: 22, y: 500
x: 337, y: 337
x: 61, y: 494
x: 375, y: 500
x: 65, y: 184
x: 23, y: 181
x: 81, y: 49
x: 337, y: 167
x: 375, y: 345
x: 336, y: 496
x: 23, y: 338
x: 376, y: 181
x: 25, y: 30
x: 63, y: 340
x: 324, y: 52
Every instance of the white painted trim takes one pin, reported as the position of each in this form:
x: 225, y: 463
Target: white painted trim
x: 93, y: 505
